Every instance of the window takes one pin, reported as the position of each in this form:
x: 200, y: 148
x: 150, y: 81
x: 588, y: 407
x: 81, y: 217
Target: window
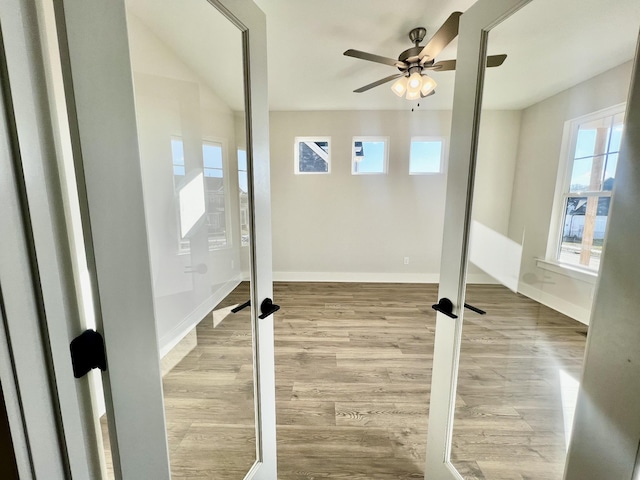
x: 370, y: 155
x: 215, y: 194
x: 593, y: 143
x: 426, y: 156
x: 177, y: 159
x: 213, y: 173
x: 243, y: 184
x: 312, y: 155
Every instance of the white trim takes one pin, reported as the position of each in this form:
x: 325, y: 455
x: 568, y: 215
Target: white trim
x: 586, y: 276
x: 374, y: 139
x: 371, y: 277
x: 569, y: 309
x: 296, y: 154
x: 444, y: 153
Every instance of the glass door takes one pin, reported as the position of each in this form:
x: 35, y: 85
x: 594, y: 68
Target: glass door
x: 170, y: 142
x: 530, y: 179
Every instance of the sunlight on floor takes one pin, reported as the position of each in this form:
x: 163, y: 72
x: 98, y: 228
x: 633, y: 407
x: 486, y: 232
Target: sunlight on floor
x: 569, y: 387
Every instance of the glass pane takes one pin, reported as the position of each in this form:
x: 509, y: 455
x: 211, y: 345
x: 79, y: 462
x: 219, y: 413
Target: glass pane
x: 193, y: 196
x: 583, y: 231
x: 586, y: 142
x: 616, y: 133
x: 610, y: 172
x: 581, y: 174
x: 425, y: 156
x: 595, y: 161
x: 212, y: 154
x: 369, y: 156
x: 520, y: 363
x: 313, y: 156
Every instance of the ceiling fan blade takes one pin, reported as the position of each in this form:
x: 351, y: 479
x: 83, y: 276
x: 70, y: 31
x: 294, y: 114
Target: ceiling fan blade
x: 443, y: 37
x: 432, y: 92
x: 444, y: 65
x: 379, y: 82
x: 496, y: 60
x: 375, y: 58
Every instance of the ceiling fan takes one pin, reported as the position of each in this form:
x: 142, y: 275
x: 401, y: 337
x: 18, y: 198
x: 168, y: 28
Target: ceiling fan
x: 411, y: 63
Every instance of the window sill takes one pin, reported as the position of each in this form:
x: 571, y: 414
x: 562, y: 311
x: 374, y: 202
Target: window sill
x: 567, y: 271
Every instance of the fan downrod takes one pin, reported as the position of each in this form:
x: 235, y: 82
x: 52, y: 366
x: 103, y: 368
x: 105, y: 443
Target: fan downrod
x: 417, y: 34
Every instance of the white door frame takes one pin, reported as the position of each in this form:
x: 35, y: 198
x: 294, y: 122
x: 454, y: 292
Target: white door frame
x: 100, y: 101
x: 49, y: 411
x: 475, y: 24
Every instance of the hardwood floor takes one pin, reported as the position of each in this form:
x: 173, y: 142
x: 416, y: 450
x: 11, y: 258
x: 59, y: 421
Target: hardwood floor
x: 353, y: 374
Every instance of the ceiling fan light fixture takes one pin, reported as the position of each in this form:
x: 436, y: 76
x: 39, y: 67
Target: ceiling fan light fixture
x: 399, y: 87
x: 415, y: 82
x: 428, y: 85
x: 413, y: 95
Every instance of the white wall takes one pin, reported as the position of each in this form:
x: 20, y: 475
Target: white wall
x: 535, y: 183
x: 171, y: 100
x: 344, y: 227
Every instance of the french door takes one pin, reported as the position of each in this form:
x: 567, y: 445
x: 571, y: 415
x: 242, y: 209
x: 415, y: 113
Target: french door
x: 475, y: 24
x: 168, y: 112
x: 460, y: 426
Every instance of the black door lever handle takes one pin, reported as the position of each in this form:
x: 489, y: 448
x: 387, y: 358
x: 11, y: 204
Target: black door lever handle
x: 474, y: 309
x: 267, y: 307
x: 445, y: 306
x: 240, y: 307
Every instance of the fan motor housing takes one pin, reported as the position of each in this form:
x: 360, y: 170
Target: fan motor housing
x: 413, y: 53
x: 410, y: 52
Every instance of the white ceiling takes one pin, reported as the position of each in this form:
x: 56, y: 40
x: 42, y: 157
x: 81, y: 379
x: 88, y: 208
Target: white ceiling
x: 551, y: 45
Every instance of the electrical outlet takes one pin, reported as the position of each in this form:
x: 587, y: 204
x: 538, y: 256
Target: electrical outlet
x: 406, y: 260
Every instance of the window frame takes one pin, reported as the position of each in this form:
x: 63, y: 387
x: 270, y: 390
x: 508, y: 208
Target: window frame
x: 296, y: 154
x: 370, y: 139
x: 563, y: 186
x: 225, y: 185
x: 244, y: 241
x: 443, y: 153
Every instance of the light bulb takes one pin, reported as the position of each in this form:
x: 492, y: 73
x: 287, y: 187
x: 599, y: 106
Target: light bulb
x: 415, y: 82
x: 413, y: 95
x: 428, y: 85
x: 399, y: 86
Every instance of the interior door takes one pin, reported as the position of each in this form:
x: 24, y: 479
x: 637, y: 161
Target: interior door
x: 475, y: 25
x: 505, y: 384
x: 169, y: 126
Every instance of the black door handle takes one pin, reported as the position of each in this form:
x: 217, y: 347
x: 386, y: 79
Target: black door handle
x: 474, y: 309
x: 267, y: 307
x: 445, y: 306
x: 240, y: 307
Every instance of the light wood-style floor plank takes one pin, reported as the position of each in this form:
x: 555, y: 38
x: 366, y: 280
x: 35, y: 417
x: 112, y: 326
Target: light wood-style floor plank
x: 353, y: 375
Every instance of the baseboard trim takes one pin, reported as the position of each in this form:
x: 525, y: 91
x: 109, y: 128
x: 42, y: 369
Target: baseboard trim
x: 569, y: 309
x: 368, y: 277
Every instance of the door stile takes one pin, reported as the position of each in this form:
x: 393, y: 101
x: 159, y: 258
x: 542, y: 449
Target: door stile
x: 43, y: 246
x: 252, y: 21
x: 99, y: 93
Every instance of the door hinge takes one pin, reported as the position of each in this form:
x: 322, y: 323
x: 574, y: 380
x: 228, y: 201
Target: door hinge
x: 87, y: 353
